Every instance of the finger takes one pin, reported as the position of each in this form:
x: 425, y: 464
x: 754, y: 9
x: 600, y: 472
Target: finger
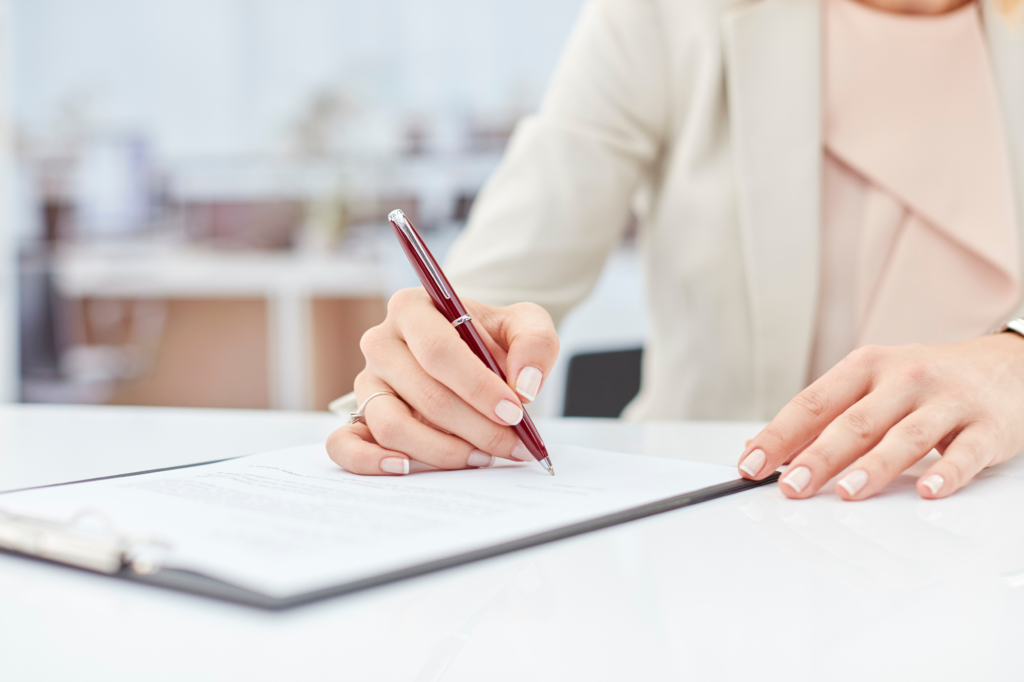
x: 971, y: 451
x: 905, y: 443
x: 849, y: 436
x: 394, y: 427
x: 807, y: 415
x: 528, y: 333
x: 442, y: 353
x: 442, y: 408
x: 352, y: 448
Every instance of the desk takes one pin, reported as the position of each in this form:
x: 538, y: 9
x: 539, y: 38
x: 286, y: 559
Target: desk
x: 751, y: 586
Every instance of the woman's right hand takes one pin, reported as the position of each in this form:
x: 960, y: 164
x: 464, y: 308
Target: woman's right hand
x: 453, y: 412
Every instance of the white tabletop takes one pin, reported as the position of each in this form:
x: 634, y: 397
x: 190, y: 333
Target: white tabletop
x: 747, y: 586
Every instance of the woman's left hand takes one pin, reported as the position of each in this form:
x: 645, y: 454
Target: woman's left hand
x: 882, y: 409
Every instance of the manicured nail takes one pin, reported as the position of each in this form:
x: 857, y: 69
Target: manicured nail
x: 394, y: 465
x: 753, y: 462
x: 528, y: 382
x: 934, y: 483
x: 798, y: 478
x: 853, y: 481
x: 519, y: 452
x: 480, y: 459
x: 509, y: 412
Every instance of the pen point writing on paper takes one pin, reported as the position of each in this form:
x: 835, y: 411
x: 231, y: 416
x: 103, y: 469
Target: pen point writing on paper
x: 551, y: 470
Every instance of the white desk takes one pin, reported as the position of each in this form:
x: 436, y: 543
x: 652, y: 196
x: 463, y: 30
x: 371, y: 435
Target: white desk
x: 751, y: 586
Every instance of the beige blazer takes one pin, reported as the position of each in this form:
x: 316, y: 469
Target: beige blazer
x: 704, y: 117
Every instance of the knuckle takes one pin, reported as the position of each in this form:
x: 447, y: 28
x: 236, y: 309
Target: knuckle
x: 529, y: 308
x: 401, y: 300
x: 917, y: 436
x: 822, y: 458
x: 360, y: 381
x: 336, y: 442
x: 496, y: 440
x: 983, y: 416
x: 370, y: 341
x: 882, y: 467
x: 437, y: 402
x: 859, y: 424
x: 773, y: 433
x: 546, y: 344
x: 867, y: 355
x: 971, y: 458
x: 979, y: 455
x: 386, y: 431
x: 957, y: 473
x: 450, y: 457
x: 918, y: 372
x: 480, y: 391
x: 432, y: 351
x: 532, y: 310
x: 813, y: 401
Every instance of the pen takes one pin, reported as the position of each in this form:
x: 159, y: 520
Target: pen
x: 451, y: 307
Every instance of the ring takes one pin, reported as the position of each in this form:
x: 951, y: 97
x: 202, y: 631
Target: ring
x: 359, y: 416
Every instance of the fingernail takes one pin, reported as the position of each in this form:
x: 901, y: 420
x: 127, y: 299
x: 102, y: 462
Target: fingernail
x: 798, y: 478
x: 854, y: 481
x: 934, y: 483
x: 753, y: 462
x: 394, y: 465
x: 509, y: 412
x: 479, y: 458
x: 528, y: 382
x: 519, y: 452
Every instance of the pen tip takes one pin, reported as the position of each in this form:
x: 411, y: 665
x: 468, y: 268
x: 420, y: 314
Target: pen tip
x: 551, y: 470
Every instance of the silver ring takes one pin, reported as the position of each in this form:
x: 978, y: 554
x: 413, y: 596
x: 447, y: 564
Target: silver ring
x: 462, y: 320
x: 358, y: 415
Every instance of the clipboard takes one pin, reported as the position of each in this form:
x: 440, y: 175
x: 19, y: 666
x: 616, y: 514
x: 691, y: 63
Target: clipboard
x: 119, y: 556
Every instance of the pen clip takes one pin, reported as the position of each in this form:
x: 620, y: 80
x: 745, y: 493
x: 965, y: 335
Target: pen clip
x: 399, y: 219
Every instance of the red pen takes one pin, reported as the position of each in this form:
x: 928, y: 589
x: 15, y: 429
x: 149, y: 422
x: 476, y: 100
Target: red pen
x: 451, y: 307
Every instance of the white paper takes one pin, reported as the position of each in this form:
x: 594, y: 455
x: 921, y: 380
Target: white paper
x: 288, y: 522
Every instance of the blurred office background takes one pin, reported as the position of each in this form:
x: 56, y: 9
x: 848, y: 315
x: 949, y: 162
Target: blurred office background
x: 195, y: 191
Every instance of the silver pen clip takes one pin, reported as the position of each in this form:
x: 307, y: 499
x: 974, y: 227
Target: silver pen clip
x: 398, y: 217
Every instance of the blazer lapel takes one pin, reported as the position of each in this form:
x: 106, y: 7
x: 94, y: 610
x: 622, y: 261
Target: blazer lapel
x: 773, y: 56
x: 1006, y: 49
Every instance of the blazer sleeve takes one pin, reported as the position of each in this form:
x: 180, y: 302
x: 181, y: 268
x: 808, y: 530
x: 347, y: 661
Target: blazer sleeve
x: 545, y: 222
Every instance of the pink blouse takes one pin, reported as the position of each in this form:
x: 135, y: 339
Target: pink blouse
x: 919, y: 240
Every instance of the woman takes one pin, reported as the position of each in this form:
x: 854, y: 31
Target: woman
x: 828, y: 192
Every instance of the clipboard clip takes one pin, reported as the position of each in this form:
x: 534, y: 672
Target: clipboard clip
x: 99, y: 547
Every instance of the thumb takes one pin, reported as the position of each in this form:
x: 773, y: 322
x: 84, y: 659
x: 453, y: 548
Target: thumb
x: 528, y: 334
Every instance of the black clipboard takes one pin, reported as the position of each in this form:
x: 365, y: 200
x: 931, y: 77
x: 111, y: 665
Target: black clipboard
x: 198, y: 584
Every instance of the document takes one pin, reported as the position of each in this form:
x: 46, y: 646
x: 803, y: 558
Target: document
x: 290, y: 522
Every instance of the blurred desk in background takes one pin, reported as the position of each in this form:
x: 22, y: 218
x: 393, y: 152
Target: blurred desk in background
x: 748, y: 587
x: 314, y: 307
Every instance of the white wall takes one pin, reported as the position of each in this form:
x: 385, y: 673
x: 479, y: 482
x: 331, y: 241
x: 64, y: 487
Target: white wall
x: 223, y: 77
